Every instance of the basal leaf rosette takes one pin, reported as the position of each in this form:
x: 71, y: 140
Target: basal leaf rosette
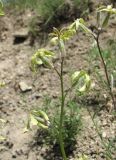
x: 81, y: 81
x: 42, y: 56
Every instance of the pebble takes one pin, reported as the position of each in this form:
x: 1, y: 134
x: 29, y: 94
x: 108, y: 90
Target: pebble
x: 24, y: 87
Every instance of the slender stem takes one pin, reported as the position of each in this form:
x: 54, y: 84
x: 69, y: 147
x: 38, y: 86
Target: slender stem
x: 62, y: 112
x: 60, y: 74
x: 105, y: 70
x: 57, y: 71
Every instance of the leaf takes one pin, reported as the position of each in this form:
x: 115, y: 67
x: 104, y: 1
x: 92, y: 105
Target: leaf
x: 75, y: 25
x: 47, y: 53
x: 81, y: 80
x: 86, y: 29
x: 56, y: 31
x: 76, y: 76
x: 1, y: 13
x: 81, y: 20
x: 33, y: 120
x: 67, y: 33
x: 105, y: 22
x: 1, y: 8
x: 38, y: 118
x: 42, y: 125
x: 41, y: 114
x: 47, y: 62
x: 62, y: 35
x: 80, y: 23
x: 62, y: 48
x: 107, y: 9
x: 100, y: 8
x: 42, y: 56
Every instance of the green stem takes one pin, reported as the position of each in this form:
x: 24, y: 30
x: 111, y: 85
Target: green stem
x: 105, y: 70
x: 62, y: 113
x: 60, y: 74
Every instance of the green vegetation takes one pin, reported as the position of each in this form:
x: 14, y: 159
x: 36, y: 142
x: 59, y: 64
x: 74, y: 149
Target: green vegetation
x: 51, y: 12
x: 21, y: 4
x: 1, y: 8
x: 64, y: 123
x: 109, y: 58
x: 45, y: 8
x: 81, y: 6
x: 103, y: 23
x: 49, y: 9
x: 80, y: 81
x: 71, y: 126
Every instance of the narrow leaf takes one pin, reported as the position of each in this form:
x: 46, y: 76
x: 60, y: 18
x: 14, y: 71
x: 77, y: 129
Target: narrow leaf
x: 105, y: 22
x: 33, y: 121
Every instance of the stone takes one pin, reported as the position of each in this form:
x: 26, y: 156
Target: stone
x: 24, y: 87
